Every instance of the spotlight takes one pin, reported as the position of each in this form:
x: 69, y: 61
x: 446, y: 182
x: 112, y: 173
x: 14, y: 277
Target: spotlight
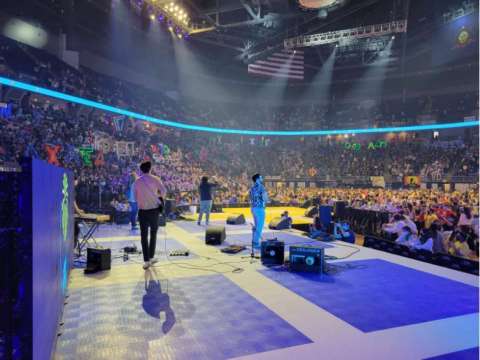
x: 152, y: 17
x: 170, y: 28
x: 180, y: 36
x: 393, y: 37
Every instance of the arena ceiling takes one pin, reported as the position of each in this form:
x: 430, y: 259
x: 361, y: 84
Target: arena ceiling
x: 240, y: 27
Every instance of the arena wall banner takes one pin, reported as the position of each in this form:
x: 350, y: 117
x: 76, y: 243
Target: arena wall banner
x: 378, y: 181
x: 103, y: 142
x: 412, y: 181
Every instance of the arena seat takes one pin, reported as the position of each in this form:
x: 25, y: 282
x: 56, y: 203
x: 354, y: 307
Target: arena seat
x: 444, y: 260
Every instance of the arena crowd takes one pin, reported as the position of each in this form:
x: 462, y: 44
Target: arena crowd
x: 67, y: 134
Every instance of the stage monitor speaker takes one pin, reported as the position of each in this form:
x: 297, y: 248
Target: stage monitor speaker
x: 273, y: 252
x: 280, y: 224
x: 237, y: 219
x: 312, y: 211
x: 98, y: 260
x: 340, y: 210
x: 214, y: 235
x: 305, y: 258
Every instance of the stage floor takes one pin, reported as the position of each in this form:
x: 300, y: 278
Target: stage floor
x: 210, y: 305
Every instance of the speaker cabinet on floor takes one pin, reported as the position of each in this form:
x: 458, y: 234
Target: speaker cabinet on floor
x: 215, y: 235
x: 273, y: 252
x: 279, y: 224
x: 98, y: 260
x: 237, y: 219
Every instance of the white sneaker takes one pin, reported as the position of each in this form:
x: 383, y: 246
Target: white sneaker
x: 153, y: 261
x: 146, y: 265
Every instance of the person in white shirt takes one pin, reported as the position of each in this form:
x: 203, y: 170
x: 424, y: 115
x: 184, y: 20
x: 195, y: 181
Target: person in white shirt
x: 406, y: 237
x: 475, y: 224
x: 422, y: 243
x: 466, y: 218
x: 410, y: 224
x: 396, y: 226
x: 147, y: 189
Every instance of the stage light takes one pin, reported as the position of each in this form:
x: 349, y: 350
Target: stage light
x: 26, y: 33
x: 180, y: 35
x: 170, y: 28
x: 152, y: 17
x: 180, y: 125
x: 393, y: 37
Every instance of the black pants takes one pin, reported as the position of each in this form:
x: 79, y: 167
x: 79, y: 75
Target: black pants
x: 148, y: 219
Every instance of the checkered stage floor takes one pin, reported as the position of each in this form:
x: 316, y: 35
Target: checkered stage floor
x: 210, y: 305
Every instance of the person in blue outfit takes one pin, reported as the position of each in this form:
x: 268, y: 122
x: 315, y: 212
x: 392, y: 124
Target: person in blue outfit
x: 132, y: 201
x: 258, y: 201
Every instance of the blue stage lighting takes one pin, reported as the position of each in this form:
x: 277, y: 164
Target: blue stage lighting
x: 180, y: 125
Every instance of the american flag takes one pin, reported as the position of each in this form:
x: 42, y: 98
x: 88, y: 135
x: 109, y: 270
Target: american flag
x: 283, y: 64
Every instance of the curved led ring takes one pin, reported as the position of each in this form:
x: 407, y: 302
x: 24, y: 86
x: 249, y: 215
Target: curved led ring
x: 179, y: 125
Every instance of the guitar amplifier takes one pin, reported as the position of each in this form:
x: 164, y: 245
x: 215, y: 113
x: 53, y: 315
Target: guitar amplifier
x: 98, y: 260
x: 305, y: 258
x: 273, y: 252
x: 214, y: 235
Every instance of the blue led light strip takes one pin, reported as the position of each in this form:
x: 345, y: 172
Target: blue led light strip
x: 179, y: 125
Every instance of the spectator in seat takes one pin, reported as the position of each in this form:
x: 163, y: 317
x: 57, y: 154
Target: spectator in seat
x: 466, y: 218
x: 286, y: 216
x: 406, y: 237
x: 457, y: 245
x: 396, y: 226
x: 430, y: 218
x: 422, y: 243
